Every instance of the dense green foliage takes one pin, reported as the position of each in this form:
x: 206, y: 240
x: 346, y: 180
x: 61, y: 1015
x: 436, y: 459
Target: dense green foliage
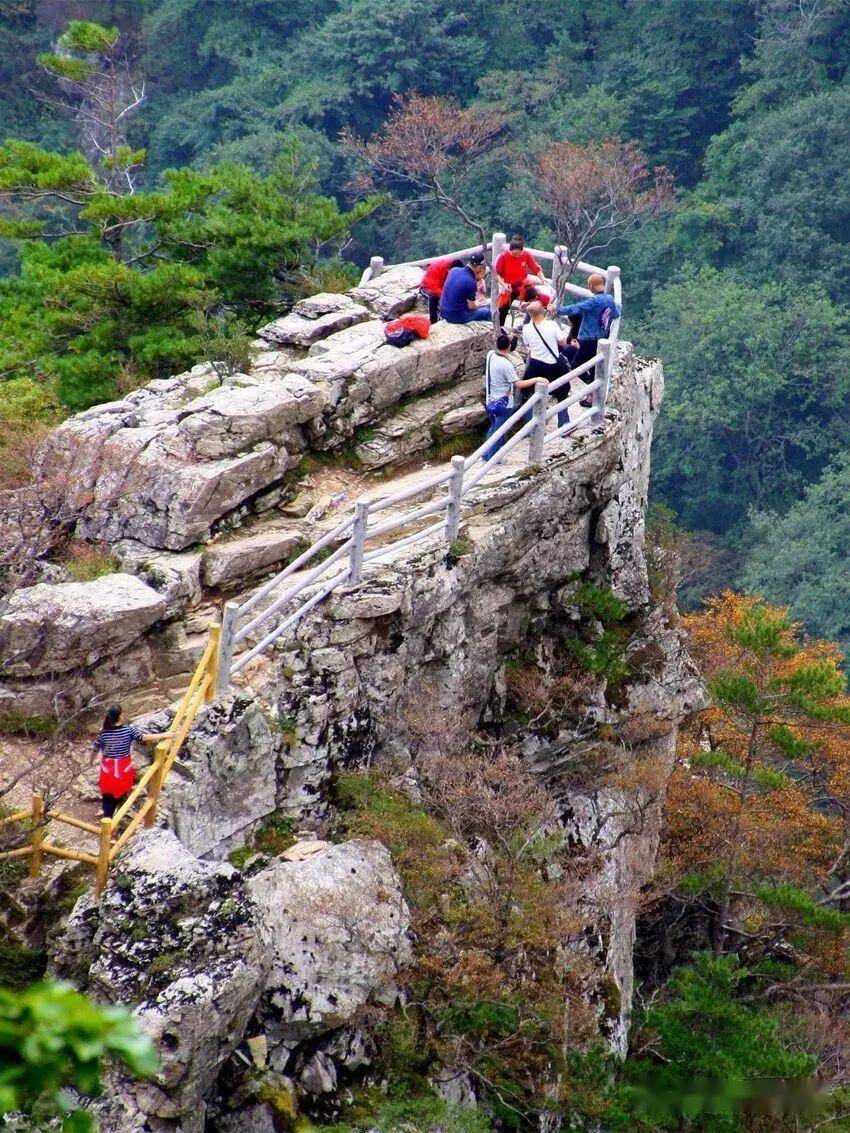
x: 52, y: 1039
x: 742, y: 289
x: 801, y: 558
x: 746, y: 423
x: 709, y: 1052
x: 705, y: 1053
x: 123, y: 291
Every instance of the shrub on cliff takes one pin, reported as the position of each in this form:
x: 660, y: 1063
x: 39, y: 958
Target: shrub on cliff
x: 91, y: 313
x: 491, y: 992
x: 53, y: 1039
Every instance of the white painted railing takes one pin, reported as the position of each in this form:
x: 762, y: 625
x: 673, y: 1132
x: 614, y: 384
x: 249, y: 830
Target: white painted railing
x: 347, y: 542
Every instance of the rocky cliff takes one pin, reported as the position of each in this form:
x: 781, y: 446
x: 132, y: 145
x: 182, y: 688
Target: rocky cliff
x: 532, y: 643
x: 185, y: 484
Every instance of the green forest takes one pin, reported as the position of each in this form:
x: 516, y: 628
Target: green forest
x: 236, y: 146
x: 176, y: 173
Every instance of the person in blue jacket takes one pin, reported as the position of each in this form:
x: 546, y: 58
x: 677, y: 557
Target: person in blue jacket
x: 459, y: 302
x: 590, y: 320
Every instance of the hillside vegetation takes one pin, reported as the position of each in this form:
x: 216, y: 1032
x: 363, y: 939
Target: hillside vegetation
x: 742, y: 288
x: 173, y: 173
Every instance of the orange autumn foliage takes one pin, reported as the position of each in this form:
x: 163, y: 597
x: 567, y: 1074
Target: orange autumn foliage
x: 761, y: 791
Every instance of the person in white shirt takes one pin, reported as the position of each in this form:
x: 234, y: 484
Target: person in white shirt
x: 545, y: 340
x: 500, y: 382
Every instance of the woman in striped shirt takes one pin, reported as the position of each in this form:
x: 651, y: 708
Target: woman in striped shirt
x: 115, y: 743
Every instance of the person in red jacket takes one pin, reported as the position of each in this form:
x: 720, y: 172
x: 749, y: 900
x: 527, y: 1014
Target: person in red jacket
x: 514, y: 268
x: 114, y: 744
x: 433, y: 282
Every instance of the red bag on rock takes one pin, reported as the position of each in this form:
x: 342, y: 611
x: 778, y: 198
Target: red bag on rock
x: 420, y: 325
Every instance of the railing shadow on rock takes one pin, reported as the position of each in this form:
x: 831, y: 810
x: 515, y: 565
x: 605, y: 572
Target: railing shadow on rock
x: 345, y: 542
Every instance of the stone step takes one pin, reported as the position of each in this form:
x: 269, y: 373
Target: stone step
x: 226, y: 562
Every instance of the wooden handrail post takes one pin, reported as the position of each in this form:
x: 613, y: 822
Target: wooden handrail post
x: 611, y: 273
x: 103, y: 856
x: 358, y: 541
x: 156, y: 781
x: 603, y: 373
x: 226, y: 644
x: 37, y: 835
x: 496, y: 249
x: 455, y: 498
x: 376, y: 266
x: 538, y: 433
x: 558, y: 271
x: 215, y: 635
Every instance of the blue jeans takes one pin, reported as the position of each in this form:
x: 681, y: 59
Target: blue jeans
x: 497, y: 419
x: 478, y: 315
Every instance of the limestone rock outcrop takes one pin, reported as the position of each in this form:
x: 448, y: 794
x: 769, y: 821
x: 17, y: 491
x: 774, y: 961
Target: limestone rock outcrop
x: 426, y: 621
x: 161, y: 476
x: 164, y: 465
x: 295, y: 956
x: 47, y: 629
x: 391, y: 293
x: 177, y: 939
x: 226, y: 782
x: 238, y: 559
x: 417, y: 426
x: 314, y: 318
x: 425, y: 634
x: 335, y: 924
x: 206, y: 958
x: 177, y: 577
x: 364, y: 379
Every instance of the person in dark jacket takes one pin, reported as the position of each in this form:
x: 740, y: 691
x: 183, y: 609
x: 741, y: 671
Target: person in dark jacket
x: 460, y: 302
x: 115, y: 743
x: 590, y: 320
x: 433, y: 282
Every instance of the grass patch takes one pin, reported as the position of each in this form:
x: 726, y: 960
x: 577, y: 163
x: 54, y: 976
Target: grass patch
x: 285, y: 726
x: 240, y: 856
x: 20, y: 965
x: 167, y: 960
x: 460, y: 444
x: 421, y: 1113
x: 275, y: 834
x: 312, y: 462
x: 33, y: 727
x: 459, y: 547
x: 415, y: 839
x: 485, y: 975
x: 85, y: 563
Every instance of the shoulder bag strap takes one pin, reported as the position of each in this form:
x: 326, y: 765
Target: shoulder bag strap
x: 543, y: 340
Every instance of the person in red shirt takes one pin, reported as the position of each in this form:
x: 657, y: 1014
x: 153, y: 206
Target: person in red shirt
x: 433, y: 282
x: 514, y: 268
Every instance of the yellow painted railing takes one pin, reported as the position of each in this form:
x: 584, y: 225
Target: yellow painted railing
x: 139, y: 806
